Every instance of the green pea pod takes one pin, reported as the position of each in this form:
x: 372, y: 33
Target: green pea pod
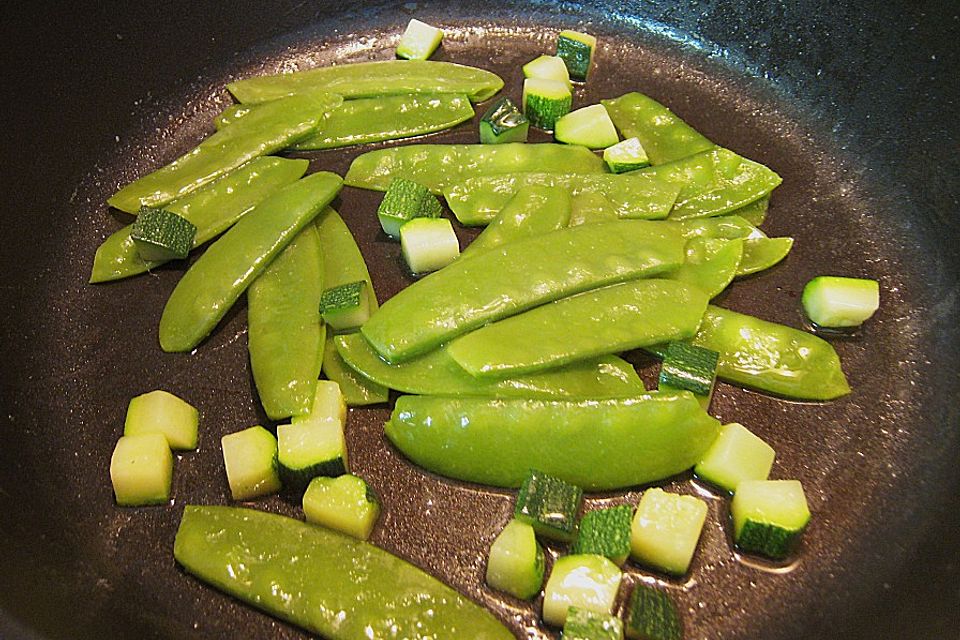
x: 597, y: 445
x: 436, y: 373
x: 588, y: 207
x: 755, y: 212
x: 711, y: 264
x: 532, y: 211
x: 610, y: 319
x: 436, y: 166
x: 263, y: 132
x: 324, y: 581
x: 374, y: 119
x: 358, y: 390
x: 763, y: 253
x: 343, y: 263
x: 477, y: 200
x: 210, y: 287
x: 770, y: 357
x: 285, y: 333
x: 517, y: 276
x: 211, y: 208
x: 721, y: 228
x: 663, y: 135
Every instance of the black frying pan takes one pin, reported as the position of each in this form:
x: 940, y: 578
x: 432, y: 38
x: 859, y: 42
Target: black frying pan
x: 853, y: 103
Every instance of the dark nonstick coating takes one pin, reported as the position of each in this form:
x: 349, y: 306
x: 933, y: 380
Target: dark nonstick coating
x: 854, y: 104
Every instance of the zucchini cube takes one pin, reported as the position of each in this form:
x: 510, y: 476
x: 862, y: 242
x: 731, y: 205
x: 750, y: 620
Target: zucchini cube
x: 548, y: 68
x: 626, y: 155
x: 314, y: 444
x: 582, y: 624
x: 163, y: 412
x: 736, y: 455
x: 162, y: 235
x: 403, y: 201
x: 687, y: 367
x: 549, y: 505
x: 666, y: 529
x: 250, y: 460
x: 503, y: 122
x: 605, y: 532
x: 652, y: 615
x: 769, y: 516
x: 346, y: 306
x: 589, y: 127
x: 346, y: 504
x: 419, y: 41
x: 545, y: 101
x: 141, y: 470
x: 586, y: 582
x: 516, y: 562
x: 428, y: 244
x: 838, y: 302
x: 576, y: 51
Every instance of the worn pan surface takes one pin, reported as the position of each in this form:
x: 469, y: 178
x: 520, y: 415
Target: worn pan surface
x: 854, y: 104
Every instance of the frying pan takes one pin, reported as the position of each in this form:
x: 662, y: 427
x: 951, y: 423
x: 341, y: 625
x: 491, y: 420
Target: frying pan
x: 854, y: 104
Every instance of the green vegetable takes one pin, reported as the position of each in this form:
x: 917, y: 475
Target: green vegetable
x: 358, y: 390
x: 212, y: 208
x: 605, y: 532
x: 763, y: 253
x: 162, y: 235
x: 836, y: 302
x: 428, y: 244
x: 547, y: 68
x: 419, y: 41
x: 545, y: 101
x: 516, y: 562
x: 589, y: 625
x: 346, y: 306
x: 665, y: 531
x: 688, y: 367
x: 263, y: 559
x: 769, y: 516
x: 313, y: 444
x: 651, y: 615
x: 282, y: 311
x: 586, y: 582
x: 503, y: 122
x: 404, y: 201
x: 345, y: 504
x: 576, y: 51
x: 519, y: 275
x: 594, y: 444
x: 549, y: 505
x: 589, y: 207
x: 210, y: 287
x: 589, y: 126
x: 626, y: 155
x: 664, y: 136
x: 735, y: 456
x: 141, y: 470
x: 755, y: 212
x: 532, y: 211
x: 162, y: 412
x: 250, y: 460
x: 373, y: 79
x: 711, y: 264
x: 609, y: 319
x: 343, y: 262
x: 263, y: 132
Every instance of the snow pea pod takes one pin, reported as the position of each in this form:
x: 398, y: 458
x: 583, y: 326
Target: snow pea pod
x: 263, y: 132
x: 588, y: 207
x: 663, y: 135
x: 374, y: 119
x: 212, y: 208
x: 285, y: 333
x: 517, y: 276
x: 436, y: 373
x: 532, y: 211
x: 436, y: 166
x: 373, y: 79
x: 210, y: 287
x: 477, y: 200
x: 595, y: 444
x: 711, y: 264
x: 755, y: 212
x: 763, y: 253
x: 358, y: 390
x: 610, y: 319
x: 343, y: 263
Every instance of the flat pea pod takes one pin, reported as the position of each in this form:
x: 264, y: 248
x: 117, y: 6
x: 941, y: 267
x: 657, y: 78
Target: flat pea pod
x: 321, y: 580
x: 436, y: 166
x: 210, y: 287
x: 373, y: 79
x: 729, y: 227
x: 531, y: 211
x: 212, y: 209
x: 597, y: 445
x: 374, y: 119
x: 261, y: 133
x: 611, y: 319
x: 343, y: 263
x: 285, y: 332
x: 770, y: 357
x: 589, y: 207
x: 517, y: 276
x: 436, y: 373
x: 763, y: 253
x: 477, y: 200
x: 755, y: 213
x: 711, y: 264
x: 358, y: 390
x: 663, y: 135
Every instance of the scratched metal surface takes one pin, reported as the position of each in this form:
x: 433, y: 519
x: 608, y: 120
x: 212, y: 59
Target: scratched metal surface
x: 851, y: 106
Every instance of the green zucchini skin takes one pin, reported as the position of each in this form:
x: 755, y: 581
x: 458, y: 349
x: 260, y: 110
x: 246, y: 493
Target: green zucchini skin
x: 651, y: 615
x: 595, y: 444
x: 307, y: 575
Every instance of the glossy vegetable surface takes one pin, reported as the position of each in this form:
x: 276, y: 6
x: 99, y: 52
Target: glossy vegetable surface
x: 763, y: 253
x: 531, y: 211
x: 711, y: 264
x: 664, y: 136
x: 358, y: 390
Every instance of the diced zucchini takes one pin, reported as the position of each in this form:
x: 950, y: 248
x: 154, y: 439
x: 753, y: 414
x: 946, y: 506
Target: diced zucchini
x: 666, y: 528
x: 428, y: 244
x: 162, y: 235
x: 545, y: 101
x: 837, y: 302
x: 589, y: 127
x: 769, y: 516
x: 626, y: 155
x: 548, y: 68
x: 651, y: 615
x: 503, y: 122
x: 605, y: 532
x: 687, y: 367
x: 404, y: 201
x: 314, y: 445
x: 141, y: 470
x: 516, y: 562
x: 163, y: 412
x: 250, y: 458
x: 346, y: 504
x: 549, y: 505
x: 582, y: 624
x: 419, y: 41
x: 585, y: 581
x: 328, y: 405
x: 576, y: 51
x: 736, y: 455
x: 346, y: 306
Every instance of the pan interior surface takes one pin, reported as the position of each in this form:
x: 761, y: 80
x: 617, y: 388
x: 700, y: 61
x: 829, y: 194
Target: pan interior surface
x: 847, y: 104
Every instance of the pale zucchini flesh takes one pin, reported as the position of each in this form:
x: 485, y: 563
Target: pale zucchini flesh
x: 250, y: 460
x: 516, y: 561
